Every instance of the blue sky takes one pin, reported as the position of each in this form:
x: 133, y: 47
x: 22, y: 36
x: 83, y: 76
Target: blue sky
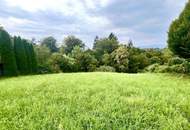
x: 146, y: 22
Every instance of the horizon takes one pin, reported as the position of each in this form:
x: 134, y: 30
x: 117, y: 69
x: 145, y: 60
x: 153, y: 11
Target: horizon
x: 129, y: 20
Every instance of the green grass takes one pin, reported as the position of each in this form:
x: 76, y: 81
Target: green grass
x: 97, y: 101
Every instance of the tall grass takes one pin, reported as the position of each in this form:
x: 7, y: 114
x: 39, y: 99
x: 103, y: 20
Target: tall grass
x: 95, y: 101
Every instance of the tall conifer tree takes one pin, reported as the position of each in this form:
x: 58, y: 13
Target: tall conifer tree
x: 28, y: 56
x: 33, y: 59
x: 7, y: 54
x: 20, y: 55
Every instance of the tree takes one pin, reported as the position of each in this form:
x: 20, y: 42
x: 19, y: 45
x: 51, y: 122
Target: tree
x: 120, y: 59
x: 85, y: 61
x: 50, y: 42
x: 137, y: 60
x: 28, y: 56
x: 20, y: 54
x: 7, y: 54
x: 62, y: 63
x: 105, y: 45
x: 106, y: 59
x: 95, y: 41
x: 42, y: 55
x: 112, y: 37
x: 70, y: 42
x: 33, y: 59
x: 179, y: 34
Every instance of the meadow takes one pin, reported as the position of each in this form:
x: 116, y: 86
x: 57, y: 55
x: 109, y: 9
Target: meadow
x: 95, y: 101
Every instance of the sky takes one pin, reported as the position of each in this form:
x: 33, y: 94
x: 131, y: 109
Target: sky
x: 145, y: 22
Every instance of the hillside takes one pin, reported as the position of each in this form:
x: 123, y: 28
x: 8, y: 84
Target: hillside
x: 95, y: 101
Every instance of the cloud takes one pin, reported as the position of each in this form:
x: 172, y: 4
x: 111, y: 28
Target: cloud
x: 12, y: 22
x: 146, y: 22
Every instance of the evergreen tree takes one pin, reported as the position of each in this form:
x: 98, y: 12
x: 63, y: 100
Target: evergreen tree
x: 28, y: 55
x: 33, y: 59
x: 20, y: 55
x: 7, y: 54
x: 179, y: 34
x: 95, y: 42
x: 113, y: 37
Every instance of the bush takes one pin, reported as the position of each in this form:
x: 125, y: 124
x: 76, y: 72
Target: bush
x: 61, y: 63
x: 183, y: 68
x: 152, y: 68
x: 176, y: 61
x: 163, y: 69
x: 105, y: 69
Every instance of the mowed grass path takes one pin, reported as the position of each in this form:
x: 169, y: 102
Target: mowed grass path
x: 95, y: 101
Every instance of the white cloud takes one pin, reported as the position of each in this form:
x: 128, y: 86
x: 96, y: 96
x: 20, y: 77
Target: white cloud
x: 75, y: 8
x: 12, y: 22
x: 68, y: 7
x: 83, y: 18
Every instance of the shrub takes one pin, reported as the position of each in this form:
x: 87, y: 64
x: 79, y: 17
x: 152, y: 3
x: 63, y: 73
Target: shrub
x: 105, y: 69
x: 155, y: 60
x: 152, y: 68
x: 181, y: 68
x: 163, y: 69
x: 175, y: 61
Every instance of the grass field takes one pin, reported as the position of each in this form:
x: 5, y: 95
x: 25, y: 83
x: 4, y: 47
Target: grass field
x: 97, y: 101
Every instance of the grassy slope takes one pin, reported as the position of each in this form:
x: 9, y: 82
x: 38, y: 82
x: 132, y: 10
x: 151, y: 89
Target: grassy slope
x: 95, y: 101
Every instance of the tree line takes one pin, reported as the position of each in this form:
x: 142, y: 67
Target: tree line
x: 17, y: 56
x: 107, y: 55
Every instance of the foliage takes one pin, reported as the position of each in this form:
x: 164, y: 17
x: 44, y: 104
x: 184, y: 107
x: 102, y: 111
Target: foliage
x: 33, y: 59
x: 105, y: 69
x: 112, y: 37
x: 155, y: 55
x: 178, y: 36
x: 120, y: 59
x: 20, y: 54
x: 137, y: 59
x: 61, y: 63
x: 166, y: 55
x: 7, y: 54
x: 50, y: 42
x: 70, y: 42
x: 105, y: 45
x: 28, y: 56
x: 175, y: 61
x: 176, y: 65
x: 42, y: 55
x: 84, y: 61
x: 96, y: 101
x: 106, y: 59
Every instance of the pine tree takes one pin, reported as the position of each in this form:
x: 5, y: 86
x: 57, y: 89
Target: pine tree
x: 7, y: 54
x: 28, y: 56
x: 20, y: 55
x: 33, y: 59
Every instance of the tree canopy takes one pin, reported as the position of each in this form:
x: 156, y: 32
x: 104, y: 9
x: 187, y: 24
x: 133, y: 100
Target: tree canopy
x: 50, y: 42
x: 179, y: 34
x: 71, y: 42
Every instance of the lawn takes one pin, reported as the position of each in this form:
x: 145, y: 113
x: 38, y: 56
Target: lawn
x: 95, y: 101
